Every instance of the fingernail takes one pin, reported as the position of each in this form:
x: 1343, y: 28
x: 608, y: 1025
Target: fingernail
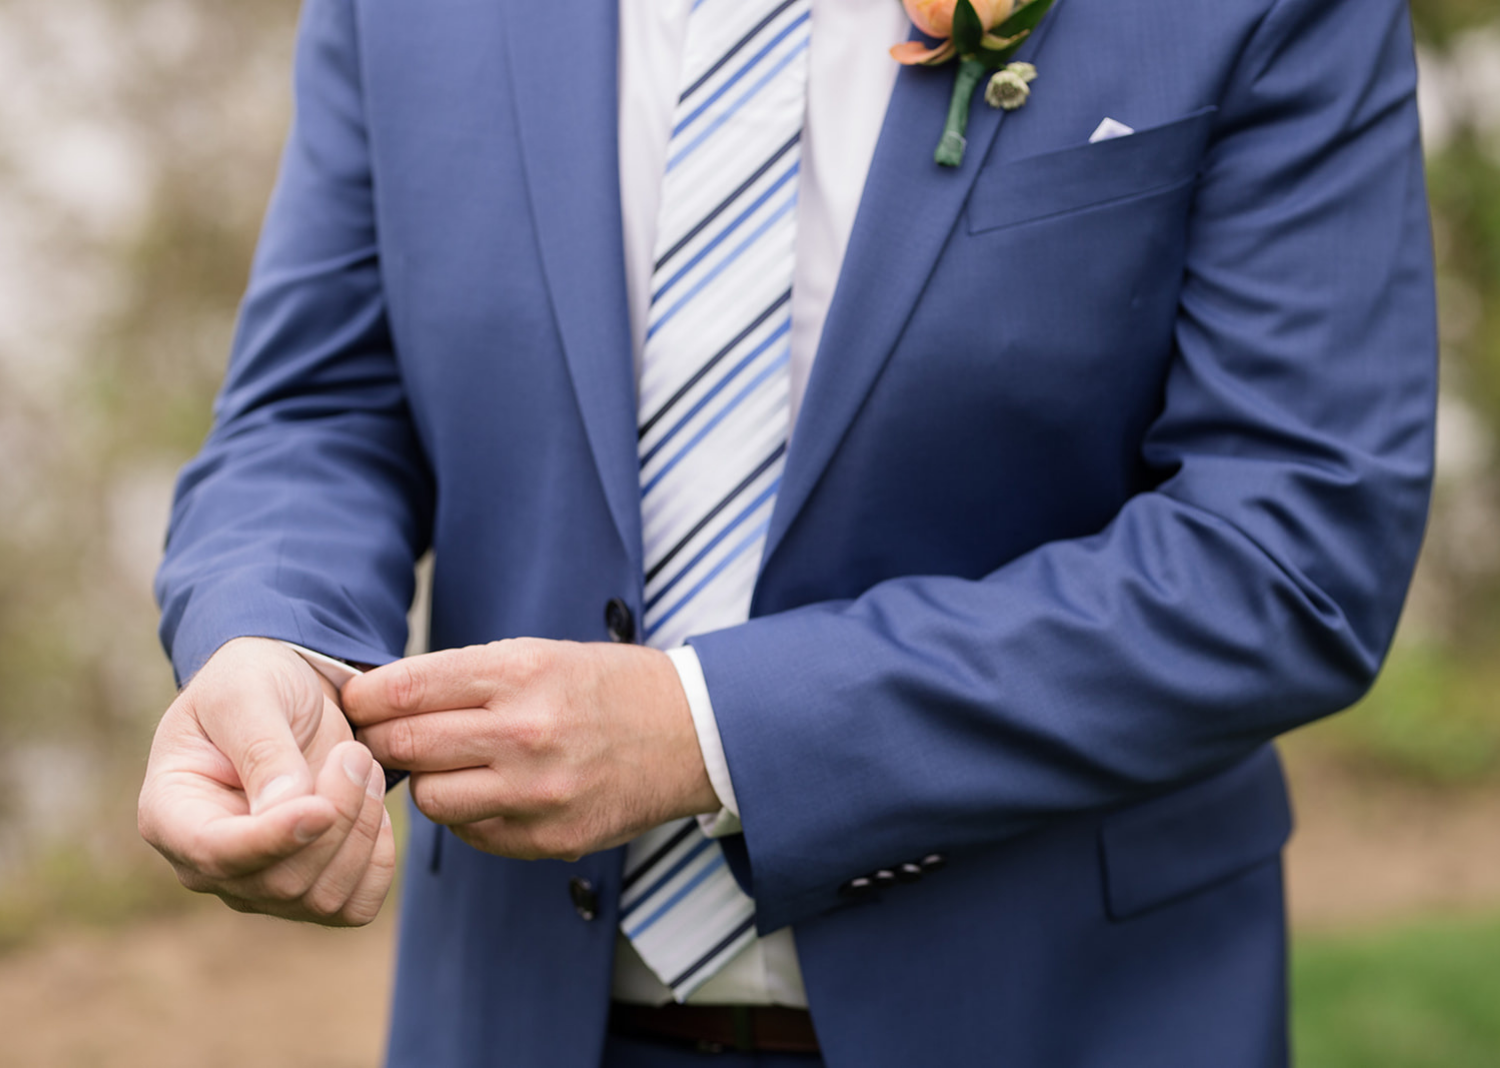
x: 305, y: 830
x: 274, y: 791
x: 356, y: 766
x: 376, y: 785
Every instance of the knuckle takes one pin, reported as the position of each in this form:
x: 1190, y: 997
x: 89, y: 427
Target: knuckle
x: 287, y: 884
x: 193, y: 880
x: 401, y: 741
x: 325, y: 903
x: 403, y: 686
x: 260, y: 754
x: 428, y: 799
x: 526, y: 659
x: 553, y: 793
x: 534, y: 735
x: 197, y: 858
x: 358, y: 915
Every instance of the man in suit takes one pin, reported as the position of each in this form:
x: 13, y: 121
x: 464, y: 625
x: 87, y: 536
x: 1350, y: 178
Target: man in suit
x: 1007, y: 512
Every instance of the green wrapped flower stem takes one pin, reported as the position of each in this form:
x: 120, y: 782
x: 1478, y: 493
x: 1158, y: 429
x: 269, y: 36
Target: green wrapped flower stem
x: 950, y: 150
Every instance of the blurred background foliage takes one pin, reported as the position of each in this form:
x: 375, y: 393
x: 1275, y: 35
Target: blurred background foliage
x: 138, y: 143
x: 1435, y: 712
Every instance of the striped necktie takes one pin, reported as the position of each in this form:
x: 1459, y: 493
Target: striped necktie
x: 714, y: 414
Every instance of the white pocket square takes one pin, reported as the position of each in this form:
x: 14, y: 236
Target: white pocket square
x: 1109, y: 129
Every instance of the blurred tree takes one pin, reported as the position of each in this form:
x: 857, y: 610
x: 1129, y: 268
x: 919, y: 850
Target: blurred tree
x: 138, y: 144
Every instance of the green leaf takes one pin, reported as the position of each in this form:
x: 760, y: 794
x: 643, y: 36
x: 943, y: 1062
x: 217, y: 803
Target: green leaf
x: 967, y: 29
x: 995, y: 58
x: 1025, y: 18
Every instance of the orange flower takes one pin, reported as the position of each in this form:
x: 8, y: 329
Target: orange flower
x: 935, y: 19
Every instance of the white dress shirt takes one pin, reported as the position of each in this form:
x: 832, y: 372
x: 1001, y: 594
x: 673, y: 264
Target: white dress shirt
x: 850, y: 78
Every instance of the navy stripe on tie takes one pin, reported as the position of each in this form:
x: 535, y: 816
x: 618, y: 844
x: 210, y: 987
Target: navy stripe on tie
x: 729, y: 528
x: 730, y: 557
x: 731, y: 81
x: 720, y: 267
x: 724, y: 116
x: 719, y: 416
x: 725, y: 203
x: 718, y: 387
x: 712, y: 361
x: 698, y: 257
x: 760, y: 469
x: 655, y: 858
x: 679, y: 894
x: 666, y: 877
x: 728, y: 940
x: 733, y: 50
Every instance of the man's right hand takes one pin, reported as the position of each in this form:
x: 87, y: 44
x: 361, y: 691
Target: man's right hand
x: 257, y: 792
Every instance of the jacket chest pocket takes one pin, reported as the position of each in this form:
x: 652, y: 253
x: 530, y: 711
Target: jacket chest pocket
x: 1071, y: 180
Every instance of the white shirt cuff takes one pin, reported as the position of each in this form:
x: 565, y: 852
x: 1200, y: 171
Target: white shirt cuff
x: 335, y: 671
x: 727, y: 820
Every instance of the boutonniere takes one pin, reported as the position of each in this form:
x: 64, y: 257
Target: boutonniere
x: 982, y: 35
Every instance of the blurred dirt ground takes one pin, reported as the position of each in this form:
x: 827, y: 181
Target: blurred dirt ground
x: 212, y: 987
x: 208, y: 988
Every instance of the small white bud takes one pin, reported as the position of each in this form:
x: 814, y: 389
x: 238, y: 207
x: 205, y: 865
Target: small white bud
x: 1007, y: 90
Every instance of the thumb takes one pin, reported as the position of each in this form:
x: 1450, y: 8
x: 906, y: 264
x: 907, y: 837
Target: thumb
x: 253, y: 710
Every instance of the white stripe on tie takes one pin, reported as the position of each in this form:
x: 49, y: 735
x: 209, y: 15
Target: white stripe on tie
x: 714, y: 413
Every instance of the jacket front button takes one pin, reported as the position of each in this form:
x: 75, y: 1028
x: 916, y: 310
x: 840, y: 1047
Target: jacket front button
x: 585, y: 898
x: 619, y: 622
x: 934, y: 862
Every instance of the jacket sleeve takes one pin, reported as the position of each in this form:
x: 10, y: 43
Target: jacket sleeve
x: 1255, y: 588
x: 302, y: 515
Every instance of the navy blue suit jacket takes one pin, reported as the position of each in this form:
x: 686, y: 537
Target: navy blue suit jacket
x: 1113, y: 466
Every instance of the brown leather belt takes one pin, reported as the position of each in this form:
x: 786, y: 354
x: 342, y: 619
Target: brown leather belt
x: 716, y: 1028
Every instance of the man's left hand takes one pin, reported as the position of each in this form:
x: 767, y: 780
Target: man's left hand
x: 537, y: 749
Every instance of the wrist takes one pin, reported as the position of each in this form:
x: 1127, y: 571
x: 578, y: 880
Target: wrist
x: 694, y: 793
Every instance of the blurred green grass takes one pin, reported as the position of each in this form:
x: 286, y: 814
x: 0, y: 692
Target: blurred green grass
x: 1421, y: 995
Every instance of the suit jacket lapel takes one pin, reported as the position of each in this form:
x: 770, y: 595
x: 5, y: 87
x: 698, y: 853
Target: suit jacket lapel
x: 569, y: 121
x: 908, y: 211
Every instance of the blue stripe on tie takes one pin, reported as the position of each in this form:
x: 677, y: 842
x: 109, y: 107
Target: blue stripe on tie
x: 724, y: 205
x: 666, y: 877
x: 719, y: 267
x: 723, y: 117
x: 729, y: 528
x: 729, y: 558
x: 724, y: 502
x: 733, y: 79
x: 718, y: 388
x: 734, y: 49
x: 687, y: 888
x: 775, y: 365
x: 731, y: 228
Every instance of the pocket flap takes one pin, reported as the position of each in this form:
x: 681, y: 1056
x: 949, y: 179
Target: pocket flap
x: 1082, y: 176
x: 1188, y: 840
